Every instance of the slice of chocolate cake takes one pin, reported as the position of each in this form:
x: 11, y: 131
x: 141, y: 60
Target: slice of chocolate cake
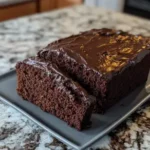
x: 46, y: 86
x: 108, y: 63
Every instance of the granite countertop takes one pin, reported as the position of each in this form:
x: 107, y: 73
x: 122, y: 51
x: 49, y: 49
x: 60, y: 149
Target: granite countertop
x: 23, y: 37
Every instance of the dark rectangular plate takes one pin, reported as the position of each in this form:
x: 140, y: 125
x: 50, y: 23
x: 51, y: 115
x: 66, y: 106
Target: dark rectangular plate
x: 101, y: 124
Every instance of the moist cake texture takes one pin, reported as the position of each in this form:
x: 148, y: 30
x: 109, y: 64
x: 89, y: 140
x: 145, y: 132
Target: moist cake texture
x: 46, y: 86
x: 107, y: 63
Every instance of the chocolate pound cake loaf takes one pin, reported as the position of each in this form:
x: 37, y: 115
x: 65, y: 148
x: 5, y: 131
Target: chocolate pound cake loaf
x: 108, y: 63
x: 46, y: 86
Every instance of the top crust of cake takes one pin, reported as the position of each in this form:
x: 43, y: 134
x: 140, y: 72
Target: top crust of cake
x: 106, y: 50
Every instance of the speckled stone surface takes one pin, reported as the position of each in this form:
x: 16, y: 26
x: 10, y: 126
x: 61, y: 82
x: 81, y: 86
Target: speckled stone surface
x: 23, y: 37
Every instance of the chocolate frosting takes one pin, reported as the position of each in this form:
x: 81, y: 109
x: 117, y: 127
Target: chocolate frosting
x: 48, y: 67
x: 105, y: 50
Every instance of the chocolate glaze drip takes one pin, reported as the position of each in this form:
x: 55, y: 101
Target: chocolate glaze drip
x: 47, y: 66
x: 105, y: 50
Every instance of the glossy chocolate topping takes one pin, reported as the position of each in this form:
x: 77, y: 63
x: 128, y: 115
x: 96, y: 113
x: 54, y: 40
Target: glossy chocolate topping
x: 48, y: 67
x: 106, y: 50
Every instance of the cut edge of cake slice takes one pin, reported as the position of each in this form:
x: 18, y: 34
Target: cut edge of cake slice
x: 45, y: 85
